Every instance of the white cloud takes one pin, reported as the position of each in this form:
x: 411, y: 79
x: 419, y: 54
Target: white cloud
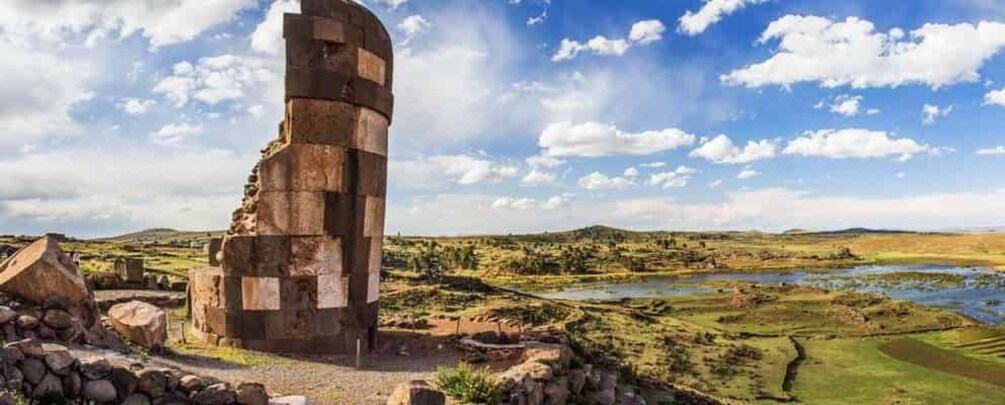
x: 901, y: 175
x: 412, y: 26
x: 537, y: 177
x: 544, y: 161
x: 852, y: 53
x: 49, y: 191
x: 647, y: 31
x: 998, y: 150
x: 653, y: 165
x: 162, y: 22
x: 711, y: 12
x: 268, y: 35
x: 213, y: 80
x: 676, y: 178
x: 631, y: 172
x: 514, y: 203
x: 846, y: 105
x: 996, y: 97
x: 715, y: 183
x: 721, y: 150
x: 855, y: 143
x: 593, y: 139
x: 929, y: 113
x: 135, y: 106
x: 642, y: 33
x: 174, y: 134
x: 773, y: 209
x: 600, y: 181
x: 539, y: 19
x: 430, y: 172
x: 393, y: 4
x: 748, y: 172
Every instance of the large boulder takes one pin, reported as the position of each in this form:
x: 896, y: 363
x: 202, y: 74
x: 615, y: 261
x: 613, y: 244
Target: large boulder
x: 140, y: 323
x: 416, y: 393
x: 42, y: 271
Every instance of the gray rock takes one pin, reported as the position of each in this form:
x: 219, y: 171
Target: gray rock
x: 416, y: 392
x: 45, y: 332
x: 14, y: 376
x: 605, y: 397
x: 217, y: 394
x: 191, y: 383
x: 95, y: 368
x: 33, y: 369
x: 124, y: 380
x: 28, y: 347
x: 6, y: 314
x: 631, y: 398
x: 152, y: 382
x: 72, y: 384
x: 252, y: 394
x: 100, y: 391
x: 7, y: 399
x: 136, y: 399
x: 27, y: 322
x: 59, y: 360
x: 10, y: 355
x: 577, y: 380
x: 51, y: 387
x: 174, y: 398
x: 58, y: 319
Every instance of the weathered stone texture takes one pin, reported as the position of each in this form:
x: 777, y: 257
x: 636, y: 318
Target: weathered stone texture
x: 300, y: 268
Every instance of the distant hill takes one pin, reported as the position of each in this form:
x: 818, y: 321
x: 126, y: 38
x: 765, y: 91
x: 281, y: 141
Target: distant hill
x: 165, y: 236
x: 861, y: 231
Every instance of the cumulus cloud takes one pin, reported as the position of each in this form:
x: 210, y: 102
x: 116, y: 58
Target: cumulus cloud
x: 694, y: 23
x: 213, y: 80
x: 748, y: 172
x: 268, y: 35
x: 174, y: 134
x: 600, y: 181
x: 412, y: 26
x: 642, y: 33
x: 722, y: 150
x: 458, y: 169
x: 852, y: 53
x: 537, y: 177
x: 772, y: 209
x: 995, y: 97
x: 998, y: 150
x: 593, y: 139
x: 631, y: 172
x: 855, y: 143
x: 525, y: 203
x: 675, y: 178
x: 929, y: 113
x: 135, y: 106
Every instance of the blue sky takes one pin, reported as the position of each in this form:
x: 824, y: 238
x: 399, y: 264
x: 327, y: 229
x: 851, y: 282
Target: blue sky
x: 523, y: 116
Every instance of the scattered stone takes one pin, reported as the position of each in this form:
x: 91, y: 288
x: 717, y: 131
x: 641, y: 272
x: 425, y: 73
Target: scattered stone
x: 217, y: 394
x: 50, y: 387
x: 151, y: 382
x: 136, y: 399
x: 99, y: 391
x: 631, y: 398
x: 15, y: 378
x: 191, y: 383
x: 95, y: 368
x: 416, y: 392
x: 139, y: 322
x: 45, y: 332
x: 124, y: 381
x: 10, y: 356
x: 129, y: 269
x: 42, y: 271
x: 33, y: 369
x: 252, y: 394
x: 6, y: 314
x: 27, y: 322
x: 72, y: 384
x: 59, y: 359
x: 605, y: 397
x: 58, y: 319
x: 577, y: 380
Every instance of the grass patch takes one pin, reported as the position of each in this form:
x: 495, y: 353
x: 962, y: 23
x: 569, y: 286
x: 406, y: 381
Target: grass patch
x: 468, y: 384
x: 926, y: 355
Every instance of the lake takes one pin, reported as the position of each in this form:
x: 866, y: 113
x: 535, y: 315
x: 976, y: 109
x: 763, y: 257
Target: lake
x: 976, y: 292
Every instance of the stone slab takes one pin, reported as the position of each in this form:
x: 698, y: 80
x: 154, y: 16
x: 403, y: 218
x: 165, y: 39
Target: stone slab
x: 333, y: 291
x: 260, y: 293
x: 371, y: 132
x: 299, y: 213
x: 303, y: 167
x: 316, y: 255
x: 370, y: 66
x: 373, y: 221
x: 324, y: 122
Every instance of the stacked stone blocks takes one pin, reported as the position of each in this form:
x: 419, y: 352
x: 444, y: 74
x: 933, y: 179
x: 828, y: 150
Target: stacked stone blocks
x: 302, y: 272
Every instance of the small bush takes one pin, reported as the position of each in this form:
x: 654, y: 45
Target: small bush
x: 468, y: 384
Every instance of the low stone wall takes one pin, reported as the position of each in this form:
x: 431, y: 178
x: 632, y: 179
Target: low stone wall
x: 49, y: 373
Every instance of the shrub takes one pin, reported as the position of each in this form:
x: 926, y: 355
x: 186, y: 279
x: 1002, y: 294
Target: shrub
x: 468, y: 384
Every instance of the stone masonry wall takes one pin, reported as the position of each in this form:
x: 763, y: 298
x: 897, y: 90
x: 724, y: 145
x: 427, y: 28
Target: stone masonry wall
x: 300, y: 268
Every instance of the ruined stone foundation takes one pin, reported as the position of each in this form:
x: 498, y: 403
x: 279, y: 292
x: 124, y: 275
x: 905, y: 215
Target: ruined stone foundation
x: 300, y: 268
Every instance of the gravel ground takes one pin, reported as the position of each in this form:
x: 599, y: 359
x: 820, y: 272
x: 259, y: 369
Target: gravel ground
x: 324, y: 379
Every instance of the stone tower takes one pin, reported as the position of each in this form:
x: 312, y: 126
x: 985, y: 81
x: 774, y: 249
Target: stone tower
x: 300, y: 268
